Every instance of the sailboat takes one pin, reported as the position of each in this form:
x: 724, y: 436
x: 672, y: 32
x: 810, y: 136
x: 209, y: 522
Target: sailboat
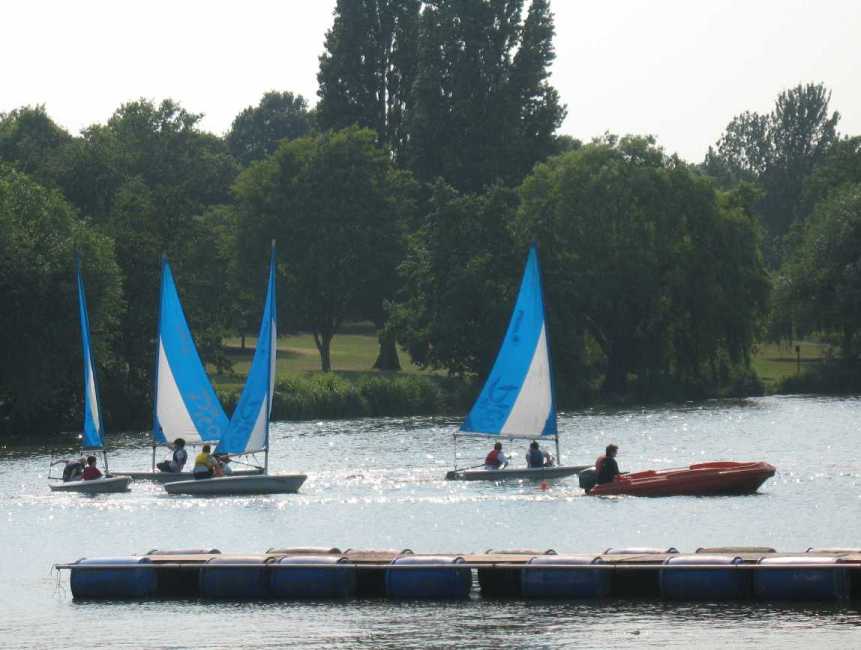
x: 92, y: 435
x: 248, y: 429
x: 186, y: 405
x: 518, y: 400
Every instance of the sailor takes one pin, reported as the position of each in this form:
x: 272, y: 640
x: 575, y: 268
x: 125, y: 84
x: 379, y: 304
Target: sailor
x: 178, y: 460
x: 73, y: 469
x: 204, y: 463
x: 606, y: 467
x: 496, y: 459
x: 537, y: 457
x: 91, y: 472
x: 222, y: 465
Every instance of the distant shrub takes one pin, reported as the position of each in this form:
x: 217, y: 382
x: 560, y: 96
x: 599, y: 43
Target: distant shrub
x: 331, y: 396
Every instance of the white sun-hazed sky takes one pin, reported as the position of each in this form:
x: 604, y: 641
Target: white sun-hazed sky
x: 677, y: 69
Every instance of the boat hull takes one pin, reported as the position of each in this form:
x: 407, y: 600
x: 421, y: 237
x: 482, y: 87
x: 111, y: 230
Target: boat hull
x: 96, y: 486
x: 703, y: 479
x: 238, y: 485
x: 171, y: 477
x: 522, y: 473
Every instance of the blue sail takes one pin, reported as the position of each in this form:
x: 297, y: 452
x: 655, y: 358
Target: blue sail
x: 93, y: 428
x: 249, y: 426
x: 518, y: 401
x: 185, y: 403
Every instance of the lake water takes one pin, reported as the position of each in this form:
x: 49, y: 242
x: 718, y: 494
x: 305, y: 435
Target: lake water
x: 378, y: 483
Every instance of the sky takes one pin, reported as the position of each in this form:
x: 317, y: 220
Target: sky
x: 676, y: 69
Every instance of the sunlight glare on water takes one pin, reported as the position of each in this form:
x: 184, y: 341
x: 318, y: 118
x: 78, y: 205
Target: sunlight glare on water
x: 379, y: 483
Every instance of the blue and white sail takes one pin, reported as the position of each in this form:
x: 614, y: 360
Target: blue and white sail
x: 185, y: 403
x: 517, y: 401
x: 92, y: 437
x: 249, y: 426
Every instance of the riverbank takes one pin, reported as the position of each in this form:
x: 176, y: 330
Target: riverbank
x: 353, y: 390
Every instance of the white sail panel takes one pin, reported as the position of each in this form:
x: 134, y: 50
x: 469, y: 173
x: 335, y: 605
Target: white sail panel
x: 535, y: 400
x: 171, y: 411
x: 93, y: 401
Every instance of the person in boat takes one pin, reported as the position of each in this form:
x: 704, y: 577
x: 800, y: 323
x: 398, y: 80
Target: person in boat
x: 496, y: 459
x: 537, y: 457
x: 204, y: 463
x: 606, y: 467
x: 73, y: 470
x: 178, y: 459
x: 91, y: 472
x: 222, y: 466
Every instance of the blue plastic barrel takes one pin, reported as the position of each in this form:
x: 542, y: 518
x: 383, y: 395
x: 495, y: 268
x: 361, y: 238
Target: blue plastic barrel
x: 316, y: 579
x: 812, y: 579
x: 250, y: 581
x: 557, y: 582
x: 443, y: 580
x: 681, y: 583
x: 138, y: 582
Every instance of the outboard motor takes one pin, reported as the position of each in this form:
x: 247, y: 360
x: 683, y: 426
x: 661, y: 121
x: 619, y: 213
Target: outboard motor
x: 588, y: 478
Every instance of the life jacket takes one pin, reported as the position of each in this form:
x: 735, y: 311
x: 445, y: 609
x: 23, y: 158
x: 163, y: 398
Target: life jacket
x: 535, y: 458
x: 599, y: 464
x: 91, y: 473
x: 492, y: 459
x: 180, y: 456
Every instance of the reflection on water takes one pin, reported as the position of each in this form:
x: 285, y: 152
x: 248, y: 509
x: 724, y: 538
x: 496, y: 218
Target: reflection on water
x: 378, y: 483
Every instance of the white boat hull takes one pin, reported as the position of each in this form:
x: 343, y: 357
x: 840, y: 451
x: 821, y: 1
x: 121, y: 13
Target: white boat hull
x: 520, y: 473
x: 238, y: 485
x: 171, y: 477
x: 95, y: 486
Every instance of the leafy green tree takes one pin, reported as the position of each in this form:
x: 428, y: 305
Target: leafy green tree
x: 484, y: 110
x: 30, y: 140
x: 822, y: 280
x: 459, y: 280
x: 641, y: 253
x: 40, y: 377
x: 257, y: 130
x: 368, y: 67
x: 145, y: 178
x: 779, y: 151
x: 334, y: 204
x: 840, y: 166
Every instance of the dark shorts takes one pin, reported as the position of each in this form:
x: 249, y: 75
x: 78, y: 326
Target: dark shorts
x: 206, y: 474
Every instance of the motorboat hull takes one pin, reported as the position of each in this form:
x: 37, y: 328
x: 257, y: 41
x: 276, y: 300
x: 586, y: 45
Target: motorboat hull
x: 521, y: 473
x: 238, y: 485
x: 703, y: 479
x: 104, y: 485
x: 171, y: 477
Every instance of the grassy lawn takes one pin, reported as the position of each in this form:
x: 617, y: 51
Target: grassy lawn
x: 353, y: 353
x: 773, y: 362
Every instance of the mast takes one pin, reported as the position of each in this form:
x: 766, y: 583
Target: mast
x: 155, y: 423
x: 273, y: 343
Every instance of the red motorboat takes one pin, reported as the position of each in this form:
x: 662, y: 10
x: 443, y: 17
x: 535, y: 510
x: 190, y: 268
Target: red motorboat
x: 703, y: 479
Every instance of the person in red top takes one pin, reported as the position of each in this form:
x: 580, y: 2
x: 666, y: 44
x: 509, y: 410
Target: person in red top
x: 606, y: 466
x: 496, y: 459
x: 91, y: 471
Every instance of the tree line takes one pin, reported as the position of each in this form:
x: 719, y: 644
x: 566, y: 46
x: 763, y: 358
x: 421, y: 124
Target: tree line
x: 407, y: 196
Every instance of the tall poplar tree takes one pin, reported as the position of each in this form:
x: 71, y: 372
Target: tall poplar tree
x: 483, y: 109
x: 368, y: 68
